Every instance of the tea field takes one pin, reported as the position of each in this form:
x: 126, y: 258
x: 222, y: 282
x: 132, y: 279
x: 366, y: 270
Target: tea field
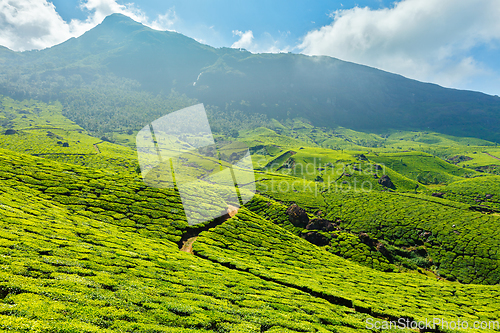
x: 40, y: 129
x: 345, y: 227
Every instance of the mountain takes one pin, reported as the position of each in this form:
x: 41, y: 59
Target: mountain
x: 326, y: 91
x: 348, y: 231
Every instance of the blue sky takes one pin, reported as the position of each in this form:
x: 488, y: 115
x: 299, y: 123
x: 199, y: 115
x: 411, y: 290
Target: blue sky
x: 213, y: 22
x: 452, y: 43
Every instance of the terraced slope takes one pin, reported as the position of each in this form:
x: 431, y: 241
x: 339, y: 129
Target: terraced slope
x: 249, y: 243
x: 96, y: 250
x: 423, y: 167
x: 40, y: 129
x: 483, y: 192
x: 72, y: 266
x: 74, y: 274
x: 462, y: 243
x: 336, y: 240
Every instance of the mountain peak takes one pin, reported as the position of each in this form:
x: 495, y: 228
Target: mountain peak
x: 116, y: 18
x: 119, y: 20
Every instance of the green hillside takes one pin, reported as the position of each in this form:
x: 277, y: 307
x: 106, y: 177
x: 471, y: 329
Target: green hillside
x: 481, y: 192
x: 95, y: 272
x: 248, y: 243
x: 377, y: 198
x: 40, y: 129
x: 91, y: 228
x: 98, y: 255
x: 422, y: 167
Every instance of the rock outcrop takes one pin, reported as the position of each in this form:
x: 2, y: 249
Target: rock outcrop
x: 321, y: 224
x: 297, y: 216
x: 316, y: 238
x: 386, y: 182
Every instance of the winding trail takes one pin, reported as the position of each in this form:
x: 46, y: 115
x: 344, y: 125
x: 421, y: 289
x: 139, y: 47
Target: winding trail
x: 187, y: 243
x: 498, y: 158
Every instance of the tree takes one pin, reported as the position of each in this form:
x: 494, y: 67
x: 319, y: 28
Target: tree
x: 234, y: 133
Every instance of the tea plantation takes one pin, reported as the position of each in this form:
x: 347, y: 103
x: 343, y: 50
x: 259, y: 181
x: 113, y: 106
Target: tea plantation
x: 249, y: 243
x: 40, y: 129
x: 345, y: 227
x: 100, y: 255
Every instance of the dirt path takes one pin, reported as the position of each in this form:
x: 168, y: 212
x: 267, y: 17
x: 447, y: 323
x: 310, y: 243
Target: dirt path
x: 498, y: 158
x: 187, y: 245
x: 231, y: 211
x: 97, y: 149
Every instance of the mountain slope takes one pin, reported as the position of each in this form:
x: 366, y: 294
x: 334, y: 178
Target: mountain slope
x: 70, y: 263
x: 327, y: 91
x: 67, y: 272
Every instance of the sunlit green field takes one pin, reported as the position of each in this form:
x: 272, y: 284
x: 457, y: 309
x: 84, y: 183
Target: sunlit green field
x: 87, y: 246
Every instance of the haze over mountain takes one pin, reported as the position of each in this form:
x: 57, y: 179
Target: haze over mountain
x: 326, y: 91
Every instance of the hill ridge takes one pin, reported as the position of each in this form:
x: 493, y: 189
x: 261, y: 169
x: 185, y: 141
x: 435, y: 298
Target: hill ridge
x: 326, y: 91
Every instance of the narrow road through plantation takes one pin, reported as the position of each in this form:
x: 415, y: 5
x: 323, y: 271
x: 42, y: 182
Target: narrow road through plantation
x: 497, y: 158
x: 187, y: 244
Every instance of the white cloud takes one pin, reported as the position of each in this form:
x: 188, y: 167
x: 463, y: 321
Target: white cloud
x: 429, y: 40
x: 267, y: 44
x: 245, y: 41
x: 28, y: 24
x: 101, y: 8
x: 272, y: 45
x: 35, y: 24
x: 166, y: 21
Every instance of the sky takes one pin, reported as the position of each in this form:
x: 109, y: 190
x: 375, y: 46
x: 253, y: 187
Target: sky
x: 453, y: 43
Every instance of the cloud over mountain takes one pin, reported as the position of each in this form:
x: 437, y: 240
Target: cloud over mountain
x: 245, y: 41
x: 428, y: 40
x: 36, y: 24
